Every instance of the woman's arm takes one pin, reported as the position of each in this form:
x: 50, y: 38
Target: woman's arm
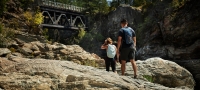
x: 103, y: 46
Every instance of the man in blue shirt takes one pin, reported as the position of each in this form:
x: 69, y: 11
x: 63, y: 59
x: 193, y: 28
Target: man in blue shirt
x: 127, y: 51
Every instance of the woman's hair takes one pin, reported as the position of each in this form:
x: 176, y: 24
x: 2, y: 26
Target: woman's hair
x: 109, y: 41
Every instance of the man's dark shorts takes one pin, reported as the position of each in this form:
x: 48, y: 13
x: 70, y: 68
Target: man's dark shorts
x: 127, y: 53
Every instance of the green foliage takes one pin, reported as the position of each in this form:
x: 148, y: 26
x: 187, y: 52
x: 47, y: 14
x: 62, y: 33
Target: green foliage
x: 143, y: 28
x: 65, y: 58
x: 153, y: 12
x: 178, y: 3
x: 90, y: 39
x: 38, y: 18
x: 12, y: 49
x: 72, y: 2
x: 81, y: 34
x: 149, y: 78
x: 1, y: 28
x: 25, y: 3
x: 113, y: 5
x: 91, y: 6
x: 89, y: 63
x: 138, y: 3
x: 6, y: 35
x: 145, y: 3
x: 2, y: 6
x: 32, y: 20
x: 99, y: 37
x: 77, y: 37
x: 45, y: 33
x: 96, y: 6
x: 87, y: 38
x: 14, y: 23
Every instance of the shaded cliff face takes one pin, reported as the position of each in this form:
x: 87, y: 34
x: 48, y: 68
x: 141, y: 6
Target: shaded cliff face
x: 111, y: 24
x: 172, y: 33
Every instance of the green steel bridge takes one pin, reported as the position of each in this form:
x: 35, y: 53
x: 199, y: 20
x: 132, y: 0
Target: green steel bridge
x: 61, y: 16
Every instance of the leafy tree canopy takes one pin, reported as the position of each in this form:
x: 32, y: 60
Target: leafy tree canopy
x: 92, y: 6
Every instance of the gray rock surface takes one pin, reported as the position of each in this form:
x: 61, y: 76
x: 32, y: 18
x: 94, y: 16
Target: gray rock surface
x: 163, y: 72
x: 31, y: 48
x: 192, y: 66
x: 4, y: 51
x: 167, y: 51
x: 111, y: 25
x: 41, y: 74
x: 27, y: 50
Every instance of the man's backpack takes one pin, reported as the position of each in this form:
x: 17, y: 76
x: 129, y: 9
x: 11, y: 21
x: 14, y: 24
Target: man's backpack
x: 128, y: 35
x: 111, y: 51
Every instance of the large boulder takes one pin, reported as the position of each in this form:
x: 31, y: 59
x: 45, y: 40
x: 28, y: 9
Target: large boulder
x: 41, y: 74
x: 192, y: 66
x: 77, y: 53
x: 27, y: 50
x: 31, y: 48
x: 5, y: 64
x: 40, y: 46
x: 163, y: 72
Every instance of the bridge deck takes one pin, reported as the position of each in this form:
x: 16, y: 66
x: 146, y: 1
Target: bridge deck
x: 61, y: 5
x: 59, y: 27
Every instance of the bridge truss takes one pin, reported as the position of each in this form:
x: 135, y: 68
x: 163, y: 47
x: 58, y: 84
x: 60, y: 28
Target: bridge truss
x: 62, y: 16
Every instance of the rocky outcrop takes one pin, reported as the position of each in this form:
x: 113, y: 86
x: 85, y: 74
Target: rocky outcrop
x: 33, y: 46
x: 174, y: 36
x: 41, y: 74
x: 172, y: 32
x: 13, y: 6
x: 163, y: 72
x: 169, y: 51
x: 4, y: 51
x: 111, y: 25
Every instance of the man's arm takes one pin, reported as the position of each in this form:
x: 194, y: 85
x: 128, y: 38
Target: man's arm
x: 119, y: 42
x: 134, y: 39
x: 118, y: 45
